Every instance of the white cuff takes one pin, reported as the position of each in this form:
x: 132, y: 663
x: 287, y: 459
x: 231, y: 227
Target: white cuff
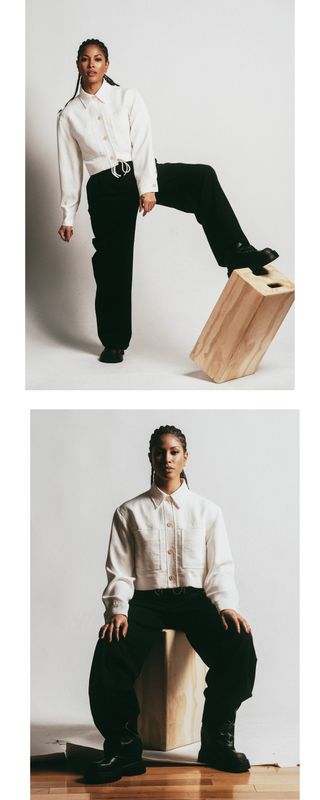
x: 117, y: 607
x: 68, y: 218
x: 147, y: 185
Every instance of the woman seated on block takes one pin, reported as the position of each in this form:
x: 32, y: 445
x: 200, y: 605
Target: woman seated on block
x: 169, y: 565
x: 107, y: 127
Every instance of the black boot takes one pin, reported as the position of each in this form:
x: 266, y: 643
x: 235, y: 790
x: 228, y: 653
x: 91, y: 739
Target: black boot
x: 245, y: 255
x: 217, y: 747
x: 111, y: 355
x: 122, y: 756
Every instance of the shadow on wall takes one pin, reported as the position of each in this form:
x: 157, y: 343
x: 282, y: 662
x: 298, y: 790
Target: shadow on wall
x: 52, y: 278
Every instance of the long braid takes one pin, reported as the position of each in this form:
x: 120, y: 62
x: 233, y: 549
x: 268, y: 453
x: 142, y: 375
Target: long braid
x: 104, y: 50
x: 109, y: 80
x: 76, y: 89
x: 161, y: 432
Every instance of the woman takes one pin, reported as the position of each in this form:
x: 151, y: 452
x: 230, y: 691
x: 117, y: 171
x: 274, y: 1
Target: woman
x: 108, y: 128
x: 169, y: 566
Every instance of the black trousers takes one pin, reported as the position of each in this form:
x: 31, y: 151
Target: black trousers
x: 229, y: 655
x: 113, y: 206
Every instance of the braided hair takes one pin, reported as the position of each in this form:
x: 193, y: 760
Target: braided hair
x: 154, y: 440
x: 104, y: 50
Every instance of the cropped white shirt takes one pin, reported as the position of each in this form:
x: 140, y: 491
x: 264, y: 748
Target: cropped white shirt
x: 161, y: 541
x: 101, y: 130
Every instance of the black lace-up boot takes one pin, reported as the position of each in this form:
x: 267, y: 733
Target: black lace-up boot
x: 245, y: 255
x: 217, y: 747
x: 122, y: 756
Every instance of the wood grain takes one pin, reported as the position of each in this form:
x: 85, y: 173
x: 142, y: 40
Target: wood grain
x: 170, y: 693
x: 242, y: 324
x: 171, y: 783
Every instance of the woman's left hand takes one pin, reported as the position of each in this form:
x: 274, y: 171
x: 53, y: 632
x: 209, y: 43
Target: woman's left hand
x: 238, y: 621
x: 147, y: 202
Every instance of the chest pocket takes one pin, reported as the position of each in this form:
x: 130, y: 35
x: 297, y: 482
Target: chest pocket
x: 193, y: 550
x: 147, y: 550
x: 82, y: 133
x: 119, y: 123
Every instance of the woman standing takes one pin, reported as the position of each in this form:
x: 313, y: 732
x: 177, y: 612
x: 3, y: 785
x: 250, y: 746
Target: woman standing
x: 169, y: 565
x: 108, y: 128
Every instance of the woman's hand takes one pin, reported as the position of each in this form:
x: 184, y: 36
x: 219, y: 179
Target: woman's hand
x: 147, y: 202
x: 118, y: 622
x: 65, y: 232
x: 239, y: 622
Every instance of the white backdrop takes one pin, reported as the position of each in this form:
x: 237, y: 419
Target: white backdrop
x: 217, y: 79
x: 84, y: 464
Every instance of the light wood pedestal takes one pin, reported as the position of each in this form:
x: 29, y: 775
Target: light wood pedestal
x: 170, y: 693
x: 242, y: 324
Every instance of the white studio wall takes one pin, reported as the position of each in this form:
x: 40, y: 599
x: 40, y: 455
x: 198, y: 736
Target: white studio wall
x: 217, y: 79
x: 84, y: 464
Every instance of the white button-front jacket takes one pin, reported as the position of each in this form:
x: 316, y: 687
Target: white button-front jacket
x: 161, y: 541
x: 101, y: 130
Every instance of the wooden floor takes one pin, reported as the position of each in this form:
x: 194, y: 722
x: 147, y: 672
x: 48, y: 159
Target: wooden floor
x: 169, y: 783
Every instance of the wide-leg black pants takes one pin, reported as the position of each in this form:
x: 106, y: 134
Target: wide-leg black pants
x: 113, y: 206
x: 229, y: 655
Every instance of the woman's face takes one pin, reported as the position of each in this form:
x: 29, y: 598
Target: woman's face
x: 92, y: 66
x: 168, y: 458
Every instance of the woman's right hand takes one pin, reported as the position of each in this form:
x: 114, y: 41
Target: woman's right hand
x: 65, y: 232
x: 118, y: 622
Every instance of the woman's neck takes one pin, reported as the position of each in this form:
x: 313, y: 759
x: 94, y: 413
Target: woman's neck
x: 93, y: 89
x: 169, y: 485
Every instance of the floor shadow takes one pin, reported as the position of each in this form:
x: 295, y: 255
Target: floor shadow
x: 199, y: 375
x: 52, y: 277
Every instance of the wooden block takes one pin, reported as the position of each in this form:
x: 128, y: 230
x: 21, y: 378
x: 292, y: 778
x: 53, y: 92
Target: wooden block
x: 170, y: 693
x: 242, y: 324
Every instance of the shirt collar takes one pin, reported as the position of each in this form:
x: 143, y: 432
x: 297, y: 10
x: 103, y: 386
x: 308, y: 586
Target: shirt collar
x: 158, y: 496
x: 101, y: 94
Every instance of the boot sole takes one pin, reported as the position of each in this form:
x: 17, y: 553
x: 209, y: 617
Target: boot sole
x: 131, y: 769
x: 215, y: 765
x: 110, y: 360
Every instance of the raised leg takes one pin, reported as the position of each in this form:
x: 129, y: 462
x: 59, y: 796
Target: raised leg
x: 195, y: 188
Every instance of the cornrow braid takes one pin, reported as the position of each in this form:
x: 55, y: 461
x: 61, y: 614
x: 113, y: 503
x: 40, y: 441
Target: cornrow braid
x: 97, y: 42
x: 104, y: 50
x: 155, y: 439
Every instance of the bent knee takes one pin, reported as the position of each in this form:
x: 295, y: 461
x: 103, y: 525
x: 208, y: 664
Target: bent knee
x: 209, y: 171
x: 243, y: 636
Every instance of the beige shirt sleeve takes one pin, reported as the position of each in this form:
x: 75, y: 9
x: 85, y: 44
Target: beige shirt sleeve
x: 219, y: 584
x: 144, y: 166
x: 70, y: 170
x: 119, y: 568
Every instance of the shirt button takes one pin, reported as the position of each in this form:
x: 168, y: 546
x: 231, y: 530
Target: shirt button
x: 171, y: 578
x: 169, y: 525
x: 171, y: 551
x: 98, y: 117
